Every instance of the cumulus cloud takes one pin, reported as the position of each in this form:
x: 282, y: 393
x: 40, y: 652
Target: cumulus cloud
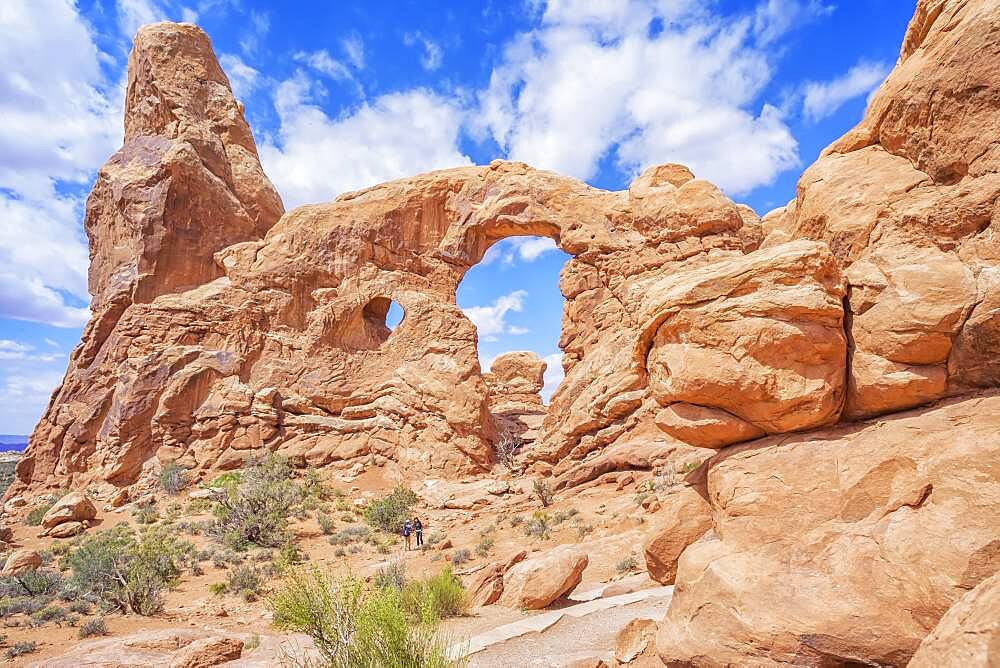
x: 322, y: 62
x: 553, y: 375
x: 315, y: 157
x: 243, y: 78
x: 774, y: 18
x: 525, y: 249
x: 490, y: 321
x: 355, y: 50
x: 135, y: 13
x: 645, y: 81
x: 433, y: 54
x: 62, y: 119
x: 23, y: 398
x: 822, y: 99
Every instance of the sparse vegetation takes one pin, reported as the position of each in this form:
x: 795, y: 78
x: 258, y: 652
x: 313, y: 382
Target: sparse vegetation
x: 326, y: 523
x: 350, y: 534
x: 127, y: 573
x: 34, y: 518
x: 443, y: 594
x: 484, y: 546
x: 145, y: 513
x: 392, y: 575
x: 389, y: 513
x: 173, y: 478
x: 538, y: 526
x: 354, y: 626
x: 20, y: 649
x: 505, y: 450
x: 543, y: 491
x: 627, y: 565
x: 93, y: 627
x: 244, y: 581
x: 253, y: 508
x: 459, y: 557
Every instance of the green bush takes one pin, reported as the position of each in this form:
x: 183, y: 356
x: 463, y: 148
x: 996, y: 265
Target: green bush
x: 50, y: 613
x: 543, y: 490
x: 356, y: 627
x: 93, y: 627
x: 538, y: 526
x: 326, y: 523
x: 145, y: 513
x: 244, y: 581
x: 389, y: 513
x: 253, y: 508
x: 173, y: 478
x: 484, y: 546
x: 20, y: 649
x: 392, y: 574
x: 627, y: 565
x: 125, y: 572
x: 442, y: 595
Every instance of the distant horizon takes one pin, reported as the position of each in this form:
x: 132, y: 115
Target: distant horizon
x: 17, y: 442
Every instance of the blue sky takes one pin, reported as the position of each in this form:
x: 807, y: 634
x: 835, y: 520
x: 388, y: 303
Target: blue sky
x: 348, y: 94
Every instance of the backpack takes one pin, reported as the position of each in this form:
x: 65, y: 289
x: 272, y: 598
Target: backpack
x: 406, y: 529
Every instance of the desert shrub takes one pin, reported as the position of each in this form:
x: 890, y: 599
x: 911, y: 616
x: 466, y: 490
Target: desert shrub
x: 326, y: 523
x: 538, y: 526
x: 582, y: 530
x: 173, y: 478
x: 350, y: 534
x: 441, y: 594
x: 353, y: 626
x: 145, y: 513
x: 33, y: 583
x: 484, y: 546
x: 639, y: 498
x: 50, y: 613
x: 7, y: 475
x: 390, y: 512
x: 125, y: 572
x: 543, y: 490
x: 627, y: 565
x: 563, y: 515
x: 81, y: 607
x: 434, y: 537
x: 93, y: 627
x: 20, y: 649
x: 392, y: 574
x: 198, y: 506
x: 459, y: 557
x: 34, y: 518
x: 505, y: 450
x: 312, y: 484
x: 289, y: 555
x: 218, y: 588
x: 515, y: 521
x: 244, y: 581
x: 253, y: 508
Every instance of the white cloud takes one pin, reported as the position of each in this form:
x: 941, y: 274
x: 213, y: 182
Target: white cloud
x: 189, y: 15
x: 260, y: 24
x: 553, y: 375
x: 135, y: 13
x: 355, y: 50
x: 526, y: 249
x: 594, y: 79
x: 433, y: 54
x: 62, y: 119
x: 774, y: 18
x: 490, y: 321
x: 321, y: 61
x: 315, y: 157
x: 243, y: 78
x: 23, y: 398
x: 822, y: 99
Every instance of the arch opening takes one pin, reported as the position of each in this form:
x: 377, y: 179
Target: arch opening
x: 512, y: 297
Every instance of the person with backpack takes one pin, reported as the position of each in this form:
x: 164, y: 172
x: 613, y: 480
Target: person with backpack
x: 418, y: 528
x: 407, y: 530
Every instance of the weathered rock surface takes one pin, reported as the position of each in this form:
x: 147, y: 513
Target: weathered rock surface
x: 845, y: 545
x: 535, y: 583
x: 686, y: 516
x: 487, y: 587
x: 74, y: 507
x: 968, y: 634
x: 20, y: 561
x: 178, y: 648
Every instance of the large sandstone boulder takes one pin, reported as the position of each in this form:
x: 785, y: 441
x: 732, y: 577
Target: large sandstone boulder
x: 20, y: 561
x: 535, y: 583
x: 968, y: 634
x: 686, y: 516
x: 74, y: 507
x: 846, y: 545
x: 487, y: 587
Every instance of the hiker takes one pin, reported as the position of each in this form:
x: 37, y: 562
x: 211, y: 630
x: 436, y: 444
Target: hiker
x: 418, y: 528
x: 407, y: 529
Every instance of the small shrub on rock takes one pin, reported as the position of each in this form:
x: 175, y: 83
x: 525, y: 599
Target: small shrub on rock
x: 245, y: 581
x: 543, y: 490
x: 459, y: 557
x: 173, y: 478
x: 20, y: 649
x: 538, y: 526
x: 627, y: 565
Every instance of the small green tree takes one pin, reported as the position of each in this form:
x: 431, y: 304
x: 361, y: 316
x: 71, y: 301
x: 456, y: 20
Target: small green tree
x: 173, y: 478
x: 390, y: 512
x: 543, y: 490
x: 253, y: 508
